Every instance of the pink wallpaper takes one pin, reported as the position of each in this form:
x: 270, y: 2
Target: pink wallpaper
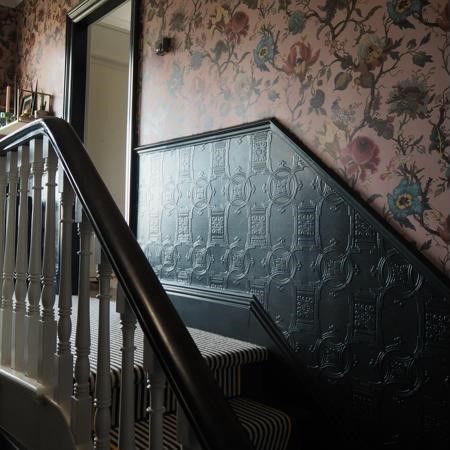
x: 7, y: 49
x: 365, y: 85
x: 41, y: 46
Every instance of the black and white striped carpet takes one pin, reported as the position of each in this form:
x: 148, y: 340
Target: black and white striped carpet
x: 268, y: 428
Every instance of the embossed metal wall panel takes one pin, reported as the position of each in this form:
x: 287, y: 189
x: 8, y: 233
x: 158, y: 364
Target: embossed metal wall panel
x: 249, y: 210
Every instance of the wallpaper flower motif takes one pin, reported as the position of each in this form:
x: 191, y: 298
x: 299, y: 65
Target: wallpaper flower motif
x: 7, y: 49
x: 363, y: 84
x: 41, y: 26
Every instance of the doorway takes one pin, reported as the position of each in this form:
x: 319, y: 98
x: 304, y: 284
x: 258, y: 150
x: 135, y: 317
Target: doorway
x: 89, y: 25
x: 86, y: 27
x: 107, y: 71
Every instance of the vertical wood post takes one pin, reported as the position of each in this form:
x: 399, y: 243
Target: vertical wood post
x: 126, y: 415
x: 81, y: 416
x: 156, y: 383
x: 64, y: 357
x: 48, y: 294
x: 21, y: 262
x: 34, y: 268
x: 102, y: 422
x: 9, y: 260
x: 3, y: 183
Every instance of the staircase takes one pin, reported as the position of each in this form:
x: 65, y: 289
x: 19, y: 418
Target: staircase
x: 233, y: 363
x: 83, y: 373
x: 348, y: 307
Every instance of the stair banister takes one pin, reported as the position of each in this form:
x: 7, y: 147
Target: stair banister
x: 9, y: 260
x: 210, y: 416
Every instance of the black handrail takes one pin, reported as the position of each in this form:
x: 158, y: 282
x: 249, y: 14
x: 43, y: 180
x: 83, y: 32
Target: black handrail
x: 210, y: 415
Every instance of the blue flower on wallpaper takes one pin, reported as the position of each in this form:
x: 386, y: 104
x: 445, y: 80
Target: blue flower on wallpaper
x: 264, y: 52
x: 296, y: 22
x: 176, y: 80
x: 400, y: 10
x: 405, y: 200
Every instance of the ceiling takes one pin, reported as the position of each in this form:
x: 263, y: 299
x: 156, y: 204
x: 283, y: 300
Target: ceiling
x: 119, y: 17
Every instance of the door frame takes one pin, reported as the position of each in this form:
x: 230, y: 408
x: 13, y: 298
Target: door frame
x: 77, y: 23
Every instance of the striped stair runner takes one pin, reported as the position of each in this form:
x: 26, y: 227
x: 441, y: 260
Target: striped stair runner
x: 141, y: 434
x: 268, y: 428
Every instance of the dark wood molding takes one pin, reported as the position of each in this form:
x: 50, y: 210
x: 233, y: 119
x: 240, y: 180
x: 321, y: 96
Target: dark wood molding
x: 207, y: 136
x: 133, y: 108
x: 92, y: 10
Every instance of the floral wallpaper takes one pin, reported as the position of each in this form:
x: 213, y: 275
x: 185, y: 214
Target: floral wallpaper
x: 365, y: 85
x: 41, y: 46
x: 7, y: 49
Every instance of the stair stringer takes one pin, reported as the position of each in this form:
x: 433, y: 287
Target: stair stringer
x: 30, y: 416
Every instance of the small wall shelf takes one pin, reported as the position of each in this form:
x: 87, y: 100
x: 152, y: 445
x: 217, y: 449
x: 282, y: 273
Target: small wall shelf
x: 13, y: 126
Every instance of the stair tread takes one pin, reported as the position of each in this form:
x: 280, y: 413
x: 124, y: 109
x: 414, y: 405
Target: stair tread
x: 141, y: 431
x: 218, y: 351
x: 267, y: 427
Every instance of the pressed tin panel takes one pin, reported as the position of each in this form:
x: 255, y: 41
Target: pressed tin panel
x: 248, y: 210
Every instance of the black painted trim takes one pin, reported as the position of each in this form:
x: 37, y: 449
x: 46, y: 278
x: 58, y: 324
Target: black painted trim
x: 208, y: 136
x: 133, y: 108
x: 273, y: 332
x: 351, y: 196
x: 252, y: 322
x: 90, y: 11
x: 78, y: 21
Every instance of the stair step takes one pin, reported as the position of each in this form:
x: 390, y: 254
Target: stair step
x: 141, y: 431
x: 224, y: 356
x: 267, y: 427
x: 220, y: 352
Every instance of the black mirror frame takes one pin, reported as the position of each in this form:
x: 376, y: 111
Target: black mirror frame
x: 77, y: 23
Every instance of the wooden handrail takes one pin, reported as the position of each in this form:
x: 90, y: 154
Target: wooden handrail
x: 210, y: 415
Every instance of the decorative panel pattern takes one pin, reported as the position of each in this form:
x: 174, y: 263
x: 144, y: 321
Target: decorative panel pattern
x: 249, y: 210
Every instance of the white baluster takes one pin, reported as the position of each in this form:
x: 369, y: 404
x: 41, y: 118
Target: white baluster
x: 126, y: 418
x: 64, y: 357
x: 9, y: 260
x: 48, y: 294
x: 102, y: 422
x: 3, y: 182
x: 156, y: 383
x: 34, y: 270
x: 81, y: 414
x: 21, y: 262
